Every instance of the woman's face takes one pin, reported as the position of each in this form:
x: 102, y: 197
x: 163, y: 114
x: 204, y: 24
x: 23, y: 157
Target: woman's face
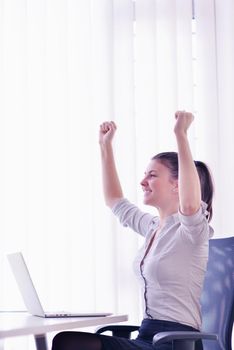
x: 158, y: 186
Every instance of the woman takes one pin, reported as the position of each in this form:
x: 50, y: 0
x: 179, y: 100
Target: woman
x: 171, y: 265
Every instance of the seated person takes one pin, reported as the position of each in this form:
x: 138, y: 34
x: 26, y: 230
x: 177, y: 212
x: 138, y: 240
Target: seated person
x: 172, y: 263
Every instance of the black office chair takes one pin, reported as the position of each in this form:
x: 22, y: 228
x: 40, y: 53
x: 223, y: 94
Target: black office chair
x: 217, y: 305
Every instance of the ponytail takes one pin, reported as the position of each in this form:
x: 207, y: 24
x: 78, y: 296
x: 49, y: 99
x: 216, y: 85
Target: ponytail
x: 207, y: 186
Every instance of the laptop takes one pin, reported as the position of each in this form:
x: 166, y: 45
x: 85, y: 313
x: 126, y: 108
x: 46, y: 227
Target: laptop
x: 29, y: 293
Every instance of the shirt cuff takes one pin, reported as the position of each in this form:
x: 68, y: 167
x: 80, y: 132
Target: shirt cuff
x: 195, y: 219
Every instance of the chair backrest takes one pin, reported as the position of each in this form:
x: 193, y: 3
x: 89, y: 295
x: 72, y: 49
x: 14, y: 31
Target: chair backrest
x: 218, y: 294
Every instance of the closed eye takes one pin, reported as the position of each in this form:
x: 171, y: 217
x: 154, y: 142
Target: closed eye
x: 151, y: 175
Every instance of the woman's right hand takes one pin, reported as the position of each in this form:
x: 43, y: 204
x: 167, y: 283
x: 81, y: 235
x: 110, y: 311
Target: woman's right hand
x: 106, y: 132
x: 111, y: 185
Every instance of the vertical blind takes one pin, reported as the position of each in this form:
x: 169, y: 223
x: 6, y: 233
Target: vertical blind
x: 66, y: 66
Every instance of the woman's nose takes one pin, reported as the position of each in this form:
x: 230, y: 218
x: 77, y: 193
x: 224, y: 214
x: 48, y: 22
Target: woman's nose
x: 143, y: 182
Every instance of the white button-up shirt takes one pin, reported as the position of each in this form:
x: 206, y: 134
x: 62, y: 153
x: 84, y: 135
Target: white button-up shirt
x: 171, y: 274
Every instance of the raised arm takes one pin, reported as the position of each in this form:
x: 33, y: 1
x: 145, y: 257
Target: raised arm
x: 111, y: 184
x: 189, y: 183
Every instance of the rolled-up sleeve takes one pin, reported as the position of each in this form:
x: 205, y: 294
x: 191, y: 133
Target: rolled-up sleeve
x: 131, y: 216
x: 196, y: 228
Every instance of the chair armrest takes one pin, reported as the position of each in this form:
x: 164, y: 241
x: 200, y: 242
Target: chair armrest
x: 118, y: 330
x: 163, y: 337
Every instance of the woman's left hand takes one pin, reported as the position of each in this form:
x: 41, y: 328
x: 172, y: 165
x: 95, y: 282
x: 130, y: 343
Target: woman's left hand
x: 183, y: 121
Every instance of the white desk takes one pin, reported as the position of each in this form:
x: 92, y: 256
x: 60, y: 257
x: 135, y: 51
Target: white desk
x: 19, y: 324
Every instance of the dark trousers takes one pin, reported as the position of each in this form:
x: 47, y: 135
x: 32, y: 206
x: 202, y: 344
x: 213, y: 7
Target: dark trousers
x: 82, y: 340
